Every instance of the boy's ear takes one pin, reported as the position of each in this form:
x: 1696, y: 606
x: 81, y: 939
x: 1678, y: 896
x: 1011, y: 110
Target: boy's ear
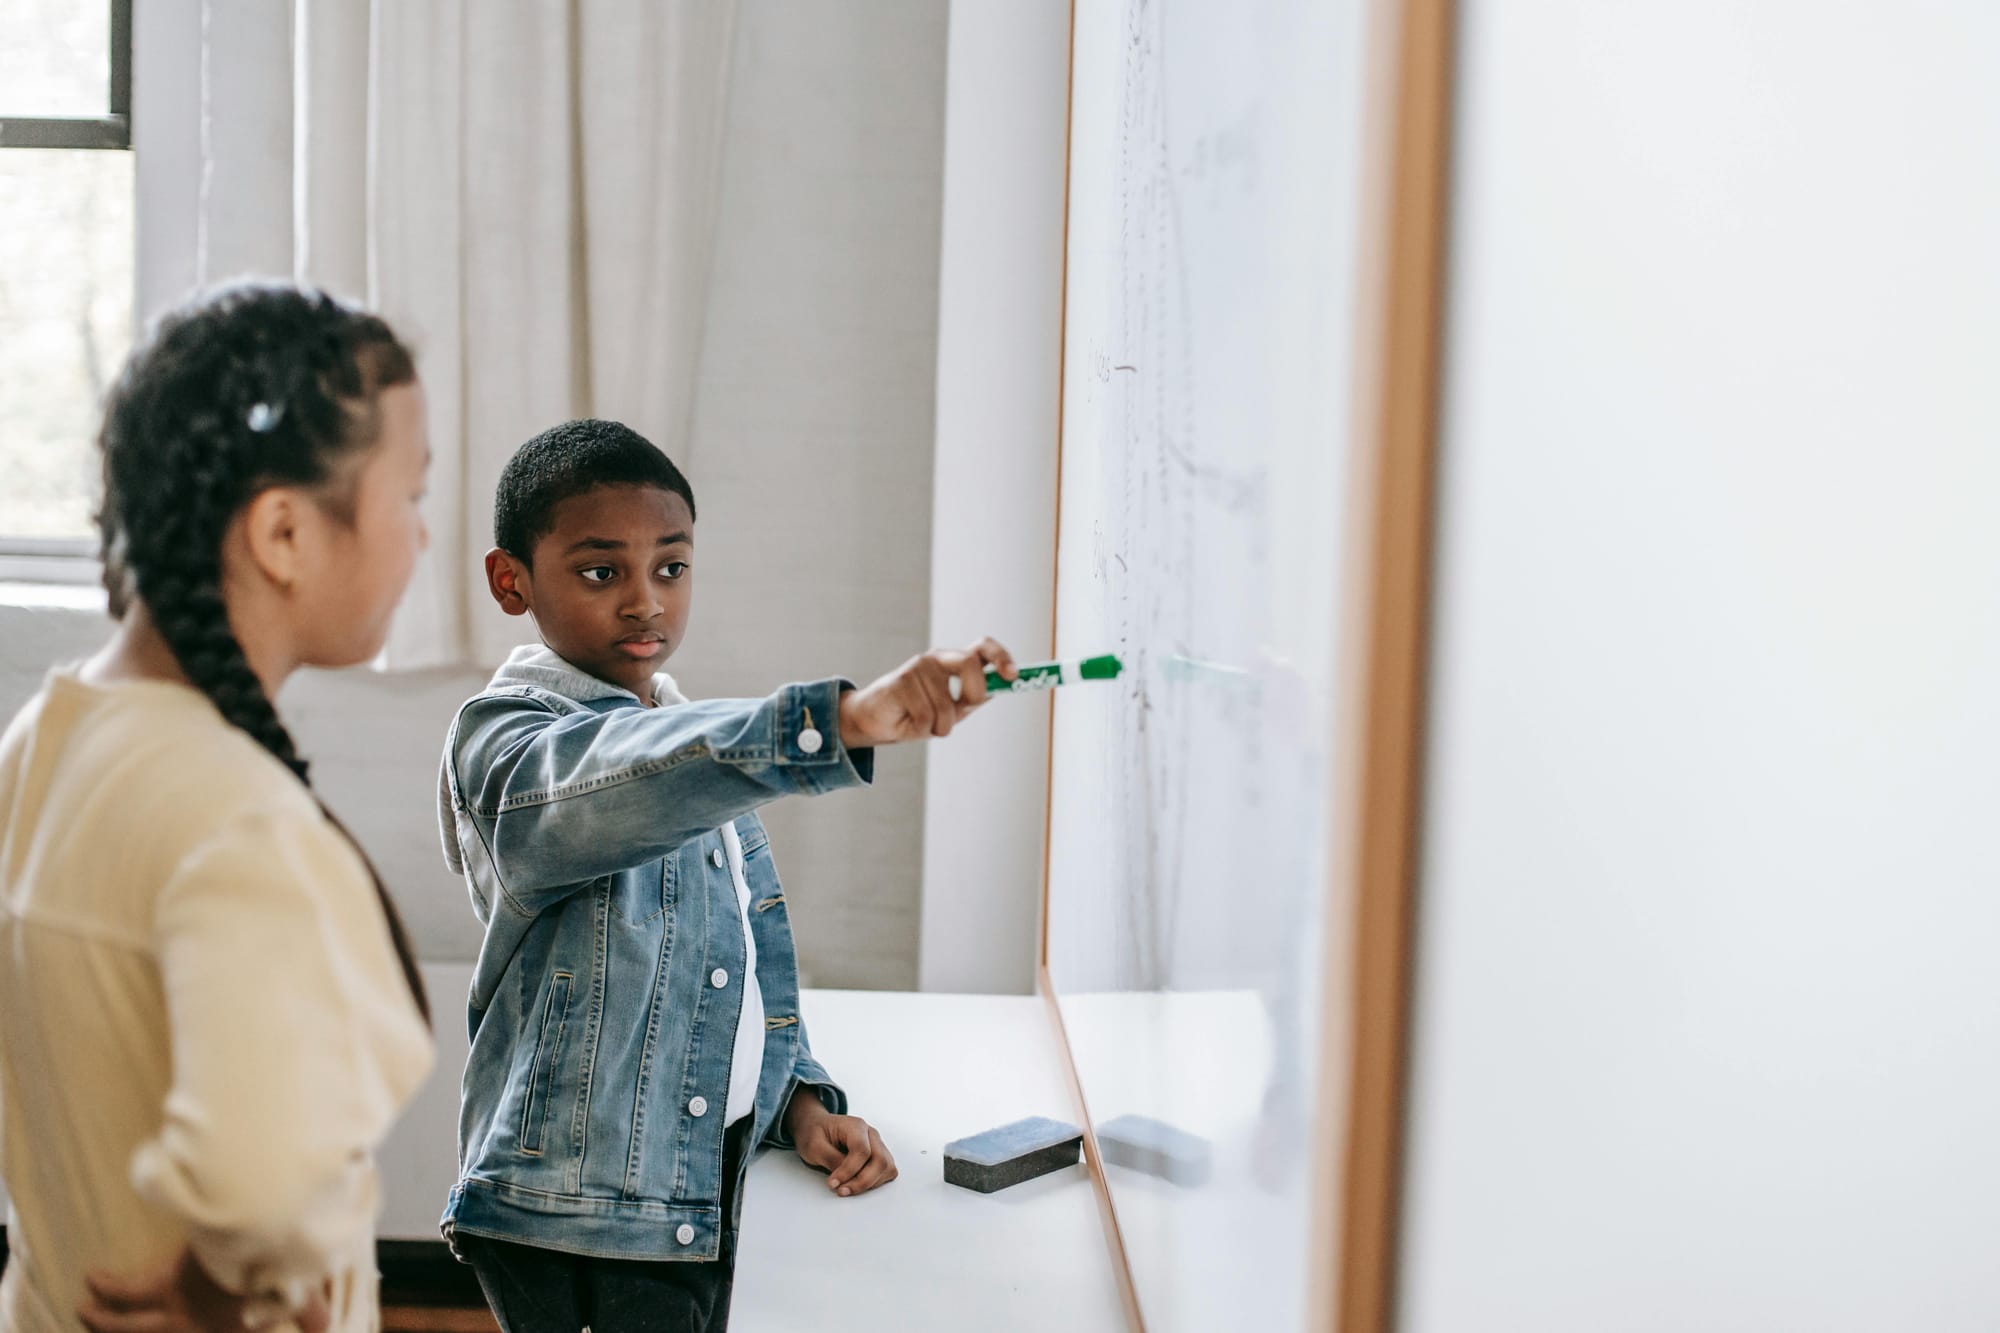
x: 507, y: 580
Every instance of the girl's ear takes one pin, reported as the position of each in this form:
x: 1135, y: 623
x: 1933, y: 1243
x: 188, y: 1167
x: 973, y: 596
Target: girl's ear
x: 273, y: 532
x: 507, y: 580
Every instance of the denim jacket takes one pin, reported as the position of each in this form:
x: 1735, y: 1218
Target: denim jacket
x: 587, y: 827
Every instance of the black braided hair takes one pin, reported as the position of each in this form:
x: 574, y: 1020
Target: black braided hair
x: 252, y: 386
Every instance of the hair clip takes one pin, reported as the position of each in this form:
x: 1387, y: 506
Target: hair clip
x: 263, y: 417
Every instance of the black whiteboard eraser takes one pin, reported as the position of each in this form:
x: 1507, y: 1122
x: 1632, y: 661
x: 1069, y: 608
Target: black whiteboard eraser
x: 1011, y: 1154
x: 1141, y: 1143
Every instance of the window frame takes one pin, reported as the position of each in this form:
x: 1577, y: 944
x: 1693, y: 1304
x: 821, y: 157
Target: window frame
x: 112, y: 130
x: 48, y: 560
x: 71, y: 560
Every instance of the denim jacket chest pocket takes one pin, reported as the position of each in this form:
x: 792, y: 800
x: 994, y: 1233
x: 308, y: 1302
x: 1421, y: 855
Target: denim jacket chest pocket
x: 695, y: 875
x: 643, y: 897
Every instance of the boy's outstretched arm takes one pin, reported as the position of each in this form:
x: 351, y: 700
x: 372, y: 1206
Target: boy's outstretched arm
x: 560, y: 799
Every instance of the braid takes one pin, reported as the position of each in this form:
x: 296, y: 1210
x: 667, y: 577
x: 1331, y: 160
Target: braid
x: 180, y: 580
x: 181, y: 457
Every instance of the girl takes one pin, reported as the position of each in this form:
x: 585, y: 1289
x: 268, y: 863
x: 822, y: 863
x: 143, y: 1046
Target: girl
x: 209, y: 1013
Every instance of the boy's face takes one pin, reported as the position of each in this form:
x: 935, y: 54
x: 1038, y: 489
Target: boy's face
x: 610, y: 583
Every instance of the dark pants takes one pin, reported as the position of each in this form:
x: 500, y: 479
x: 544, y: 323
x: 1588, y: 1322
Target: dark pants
x: 533, y: 1290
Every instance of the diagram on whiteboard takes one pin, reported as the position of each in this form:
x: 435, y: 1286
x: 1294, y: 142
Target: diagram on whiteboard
x: 1167, y: 529
x: 1208, y: 312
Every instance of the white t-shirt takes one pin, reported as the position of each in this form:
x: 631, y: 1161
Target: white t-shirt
x: 747, y: 1065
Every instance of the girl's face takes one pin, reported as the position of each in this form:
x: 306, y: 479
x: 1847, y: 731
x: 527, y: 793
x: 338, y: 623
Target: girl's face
x: 348, y: 589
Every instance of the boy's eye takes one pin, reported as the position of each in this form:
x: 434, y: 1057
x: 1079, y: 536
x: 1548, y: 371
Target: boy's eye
x: 597, y: 574
x: 673, y: 569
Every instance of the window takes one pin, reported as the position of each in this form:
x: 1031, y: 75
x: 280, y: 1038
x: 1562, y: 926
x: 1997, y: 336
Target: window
x: 66, y: 285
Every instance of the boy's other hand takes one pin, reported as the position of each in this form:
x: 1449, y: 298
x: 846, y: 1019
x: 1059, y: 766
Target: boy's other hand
x: 918, y: 699
x: 846, y: 1147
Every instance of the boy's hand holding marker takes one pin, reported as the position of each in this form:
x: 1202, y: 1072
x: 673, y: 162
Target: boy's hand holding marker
x: 926, y: 696
x: 929, y: 695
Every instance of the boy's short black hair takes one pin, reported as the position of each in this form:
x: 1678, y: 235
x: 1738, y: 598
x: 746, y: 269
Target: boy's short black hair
x: 568, y: 460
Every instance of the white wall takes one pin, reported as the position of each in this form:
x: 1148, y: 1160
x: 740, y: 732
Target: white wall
x: 993, y: 502
x: 166, y: 151
x: 811, y: 454
x: 1707, y: 1001
x: 419, y: 1162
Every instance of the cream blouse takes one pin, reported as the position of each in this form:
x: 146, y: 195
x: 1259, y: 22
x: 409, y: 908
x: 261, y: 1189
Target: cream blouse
x: 204, y: 1030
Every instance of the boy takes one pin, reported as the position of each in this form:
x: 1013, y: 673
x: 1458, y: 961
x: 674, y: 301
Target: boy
x: 634, y: 1012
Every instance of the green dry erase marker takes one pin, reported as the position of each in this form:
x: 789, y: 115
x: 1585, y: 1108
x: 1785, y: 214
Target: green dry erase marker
x: 1048, y: 675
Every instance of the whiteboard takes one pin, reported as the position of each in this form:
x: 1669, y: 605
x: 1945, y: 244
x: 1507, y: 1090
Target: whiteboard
x: 1209, y: 321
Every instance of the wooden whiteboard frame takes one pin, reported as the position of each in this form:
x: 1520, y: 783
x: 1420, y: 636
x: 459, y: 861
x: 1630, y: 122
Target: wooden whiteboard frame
x: 1378, y: 793
x: 1114, y: 1238
x: 1371, y: 889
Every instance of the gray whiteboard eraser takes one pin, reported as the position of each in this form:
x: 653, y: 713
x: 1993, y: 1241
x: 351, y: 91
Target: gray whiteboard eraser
x: 1142, y: 1143
x: 1011, y: 1154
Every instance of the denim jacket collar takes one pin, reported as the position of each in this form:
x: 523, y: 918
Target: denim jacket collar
x: 539, y: 665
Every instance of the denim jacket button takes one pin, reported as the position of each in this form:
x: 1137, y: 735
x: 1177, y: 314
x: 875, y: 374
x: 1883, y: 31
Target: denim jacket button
x: 719, y: 978
x: 715, y: 858
x: 685, y: 1235
x: 698, y: 1107
x: 810, y: 740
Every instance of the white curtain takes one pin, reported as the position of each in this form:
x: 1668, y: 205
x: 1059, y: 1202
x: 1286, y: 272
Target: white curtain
x: 525, y: 188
